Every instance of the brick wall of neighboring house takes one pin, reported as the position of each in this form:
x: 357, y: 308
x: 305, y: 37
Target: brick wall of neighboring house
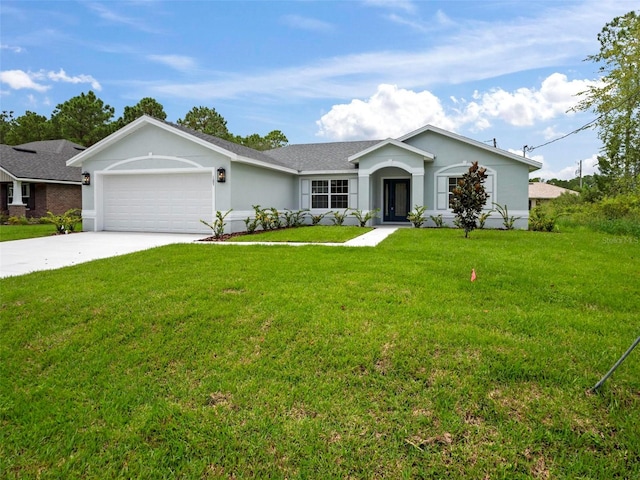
x: 37, y: 200
x: 61, y: 198
x: 4, y: 206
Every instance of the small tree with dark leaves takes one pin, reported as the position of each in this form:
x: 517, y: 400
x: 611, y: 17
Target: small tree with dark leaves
x: 469, y: 198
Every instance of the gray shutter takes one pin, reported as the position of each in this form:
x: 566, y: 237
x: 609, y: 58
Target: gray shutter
x: 305, y: 201
x: 443, y: 193
x: 353, y: 193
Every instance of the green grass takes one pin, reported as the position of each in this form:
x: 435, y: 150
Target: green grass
x: 204, y: 361
x: 20, y: 232
x: 314, y: 234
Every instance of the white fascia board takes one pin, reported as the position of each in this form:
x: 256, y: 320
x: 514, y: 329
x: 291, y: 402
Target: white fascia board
x: 59, y: 182
x: 533, y: 165
x: 135, y: 125
x: 259, y: 163
x: 8, y: 173
x: 391, y: 141
x: 353, y: 172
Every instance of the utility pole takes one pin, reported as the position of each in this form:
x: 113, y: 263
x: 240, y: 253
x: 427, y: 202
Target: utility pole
x: 579, y: 172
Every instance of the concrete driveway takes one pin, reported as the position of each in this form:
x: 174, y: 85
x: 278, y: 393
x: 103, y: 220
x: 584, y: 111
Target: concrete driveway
x: 47, y: 253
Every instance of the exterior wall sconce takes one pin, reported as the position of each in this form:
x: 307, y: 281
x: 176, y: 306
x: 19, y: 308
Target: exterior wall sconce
x: 222, y: 175
x: 86, y: 178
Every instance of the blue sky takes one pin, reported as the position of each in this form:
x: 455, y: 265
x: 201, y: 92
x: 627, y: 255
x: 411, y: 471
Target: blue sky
x: 326, y: 70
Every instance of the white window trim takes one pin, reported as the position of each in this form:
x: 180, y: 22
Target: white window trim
x: 441, y: 185
x: 306, y: 193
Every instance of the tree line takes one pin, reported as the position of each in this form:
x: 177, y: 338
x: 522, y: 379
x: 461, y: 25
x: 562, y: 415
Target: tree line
x: 86, y: 119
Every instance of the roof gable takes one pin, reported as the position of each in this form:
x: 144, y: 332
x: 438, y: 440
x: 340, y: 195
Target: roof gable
x: 396, y: 143
x: 532, y: 164
x: 231, y: 150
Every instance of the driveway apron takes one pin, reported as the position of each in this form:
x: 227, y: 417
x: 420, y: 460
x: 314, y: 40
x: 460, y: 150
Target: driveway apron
x: 18, y: 257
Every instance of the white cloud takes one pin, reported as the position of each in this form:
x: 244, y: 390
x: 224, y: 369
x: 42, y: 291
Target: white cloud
x: 61, y: 76
x: 18, y: 79
x: 112, y: 16
x: 550, y: 133
x: 405, y: 5
x: 525, y: 106
x: 390, y: 112
x: 306, y: 23
x: 177, y: 62
x: 589, y: 167
x: 12, y: 48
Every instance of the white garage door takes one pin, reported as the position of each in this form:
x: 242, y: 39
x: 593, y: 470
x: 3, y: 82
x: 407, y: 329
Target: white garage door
x: 158, y: 202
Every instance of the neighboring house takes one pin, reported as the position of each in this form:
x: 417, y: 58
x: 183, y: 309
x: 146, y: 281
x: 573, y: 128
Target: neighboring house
x: 160, y: 177
x: 540, y: 193
x: 35, y: 178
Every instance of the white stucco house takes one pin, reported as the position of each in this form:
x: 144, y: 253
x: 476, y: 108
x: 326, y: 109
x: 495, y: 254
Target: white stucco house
x: 154, y: 176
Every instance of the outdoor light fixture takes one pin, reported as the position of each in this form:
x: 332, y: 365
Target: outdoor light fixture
x: 86, y: 178
x: 222, y: 175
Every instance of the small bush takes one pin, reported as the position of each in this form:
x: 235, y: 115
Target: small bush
x: 339, y: 217
x: 482, y: 218
x: 439, y: 221
x: 316, y: 219
x: 218, y: 224
x: 15, y: 220
x: 416, y: 216
x: 541, y: 221
x: 507, y: 221
x: 363, y: 218
x: 66, y: 222
x: 294, y: 218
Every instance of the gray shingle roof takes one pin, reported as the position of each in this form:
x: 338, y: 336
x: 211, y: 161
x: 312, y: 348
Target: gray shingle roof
x: 45, y: 160
x: 305, y: 157
x: 230, y: 146
x: 320, y: 156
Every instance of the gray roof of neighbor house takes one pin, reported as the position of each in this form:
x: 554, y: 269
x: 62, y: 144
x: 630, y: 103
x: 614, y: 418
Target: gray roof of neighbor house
x: 320, y: 156
x: 44, y: 160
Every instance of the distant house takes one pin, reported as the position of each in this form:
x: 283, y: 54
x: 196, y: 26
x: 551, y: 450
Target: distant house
x: 540, y: 193
x: 154, y: 176
x: 34, y: 178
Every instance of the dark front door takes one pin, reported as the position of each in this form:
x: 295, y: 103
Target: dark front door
x: 396, y: 200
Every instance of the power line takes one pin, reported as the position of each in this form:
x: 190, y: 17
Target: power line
x: 527, y: 148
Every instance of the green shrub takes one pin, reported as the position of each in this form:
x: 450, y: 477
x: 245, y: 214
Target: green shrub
x: 316, y: 219
x: 416, y: 216
x: 482, y: 218
x: 218, y: 224
x: 541, y: 221
x: 339, y: 217
x: 15, y: 220
x: 363, y: 218
x: 294, y: 218
x: 439, y: 221
x: 66, y: 222
x: 507, y: 221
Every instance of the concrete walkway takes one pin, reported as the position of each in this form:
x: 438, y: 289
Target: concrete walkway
x: 369, y: 239
x: 19, y: 257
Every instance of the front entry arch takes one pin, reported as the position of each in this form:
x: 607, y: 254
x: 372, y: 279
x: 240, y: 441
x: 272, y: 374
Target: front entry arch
x: 396, y: 199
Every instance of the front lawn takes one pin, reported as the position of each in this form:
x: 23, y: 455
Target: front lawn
x: 200, y: 361
x: 309, y: 234
x: 20, y: 232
